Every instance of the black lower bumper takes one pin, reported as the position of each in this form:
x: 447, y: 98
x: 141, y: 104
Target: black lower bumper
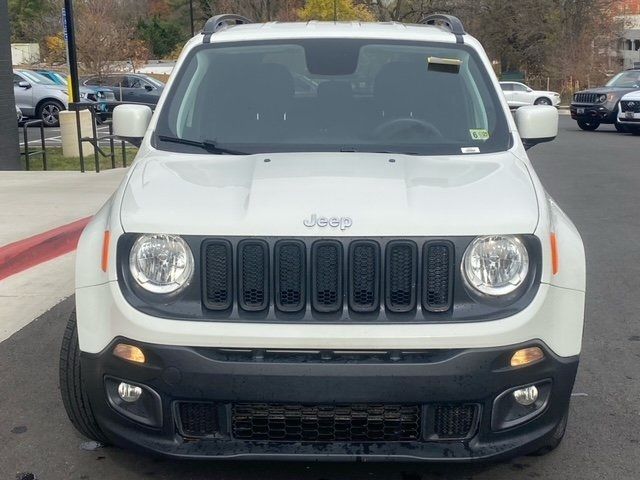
x: 594, y: 113
x: 425, y: 379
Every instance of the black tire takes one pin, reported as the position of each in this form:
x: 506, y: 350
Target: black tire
x: 542, y: 101
x: 621, y: 128
x: 555, y: 440
x: 588, y: 126
x: 75, y: 400
x: 48, y: 112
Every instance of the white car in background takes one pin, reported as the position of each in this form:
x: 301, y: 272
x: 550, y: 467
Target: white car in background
x: 629, y: 112
x: 518, y: 95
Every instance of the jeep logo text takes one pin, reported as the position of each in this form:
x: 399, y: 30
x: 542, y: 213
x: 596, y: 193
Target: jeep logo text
x: 335, y: 222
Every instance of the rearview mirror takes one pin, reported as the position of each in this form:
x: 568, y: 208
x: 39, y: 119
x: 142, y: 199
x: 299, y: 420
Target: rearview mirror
x: 24, y: 84
x: 130, y: 122
x: 537, y: 124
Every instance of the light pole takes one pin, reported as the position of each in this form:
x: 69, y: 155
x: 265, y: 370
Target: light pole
x: 9, y: 150
x: 72, y: 58
x: 193, y: 32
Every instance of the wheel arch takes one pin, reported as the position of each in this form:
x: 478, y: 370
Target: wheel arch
x: 48, y: 99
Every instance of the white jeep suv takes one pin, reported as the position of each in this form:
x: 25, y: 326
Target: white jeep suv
x: 369, y: 269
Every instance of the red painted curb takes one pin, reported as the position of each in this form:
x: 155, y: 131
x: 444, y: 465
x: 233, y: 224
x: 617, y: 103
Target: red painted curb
x: 23, y: 254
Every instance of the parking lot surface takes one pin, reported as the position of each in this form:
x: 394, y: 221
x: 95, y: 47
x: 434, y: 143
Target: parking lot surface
x: 594, y: 176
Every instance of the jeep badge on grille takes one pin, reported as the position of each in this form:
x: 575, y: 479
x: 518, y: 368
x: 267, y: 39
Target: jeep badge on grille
x: 335, y: 222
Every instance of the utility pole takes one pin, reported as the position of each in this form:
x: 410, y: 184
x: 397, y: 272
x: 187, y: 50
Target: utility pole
x: 9, y: 146
x: 72, y: 59
x: 193, y: 32
x: 335, y: 10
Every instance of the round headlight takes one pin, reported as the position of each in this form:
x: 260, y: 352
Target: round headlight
x: 496, y: 265
x: 602, y: 98
x: 161, y: 263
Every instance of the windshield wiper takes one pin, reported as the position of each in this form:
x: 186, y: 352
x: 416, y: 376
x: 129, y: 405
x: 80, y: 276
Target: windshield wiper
x: 208, y: 145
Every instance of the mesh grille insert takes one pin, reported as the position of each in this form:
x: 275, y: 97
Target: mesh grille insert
x: 364, y: 276
x: 254, y: 276
x: 198, y: 419
x: 326, y: 423
x: 327, y: 276
x: 401, y: 276
x: 290, y: 276
x: 437, y: 271
x: 218, y: 276
x: 454, y: 421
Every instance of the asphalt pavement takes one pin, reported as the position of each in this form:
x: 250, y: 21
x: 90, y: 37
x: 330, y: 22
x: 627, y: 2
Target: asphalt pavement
x: 594, y: 176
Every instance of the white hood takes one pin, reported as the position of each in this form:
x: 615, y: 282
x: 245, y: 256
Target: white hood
x: 245, y: 195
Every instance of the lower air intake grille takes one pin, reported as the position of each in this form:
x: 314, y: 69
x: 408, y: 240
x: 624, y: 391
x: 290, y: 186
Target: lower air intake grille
x: 198, y: 419
x: 326, y: 423
x: 453, y: 421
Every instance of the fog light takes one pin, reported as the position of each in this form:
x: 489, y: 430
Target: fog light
x: 129, y: 353
x: 526, y: 356
x: 129, y: 393
x: 526, y: 396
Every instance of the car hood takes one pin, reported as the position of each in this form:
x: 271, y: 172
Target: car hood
x: 411, y: 196
x: 635, y: 95
x: 601, y: 90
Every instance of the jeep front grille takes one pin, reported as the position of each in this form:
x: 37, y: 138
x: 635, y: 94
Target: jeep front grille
x: 325, y: 276
x: 585, y: 97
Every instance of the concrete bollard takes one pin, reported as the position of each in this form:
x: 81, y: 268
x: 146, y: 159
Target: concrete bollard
x: 69, y: 133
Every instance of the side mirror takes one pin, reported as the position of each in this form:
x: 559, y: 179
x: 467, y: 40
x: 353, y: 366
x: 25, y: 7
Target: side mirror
x: 25, y: 85
x: 130, y: 122
x: 529, y: 90
x: 537, y: 124
x: 148, y: 88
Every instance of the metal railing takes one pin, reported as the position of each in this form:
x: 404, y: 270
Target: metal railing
x: 27, y: 152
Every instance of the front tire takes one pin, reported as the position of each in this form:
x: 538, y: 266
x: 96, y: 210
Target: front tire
x: 75, y: 400
x: 542, y: 101
x: 555, y: 440
x: 49, y: 112
x: 588, y: 126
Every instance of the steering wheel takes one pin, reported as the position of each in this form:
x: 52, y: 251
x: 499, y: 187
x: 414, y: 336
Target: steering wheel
x: 406, y: 129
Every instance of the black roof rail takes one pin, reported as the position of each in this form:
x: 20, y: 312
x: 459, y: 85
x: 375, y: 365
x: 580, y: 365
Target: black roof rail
x: 217, y: 23
x: 452, y: 23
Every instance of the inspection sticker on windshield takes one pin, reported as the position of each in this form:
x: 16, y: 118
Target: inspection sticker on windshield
x: 479, y: 134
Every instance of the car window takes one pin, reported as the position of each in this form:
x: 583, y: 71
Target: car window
x: 629, y: 79
x: 507, y: 87
x: 134, y: 82
x: 371, y: 95
x: 34, y: 77
x: 518, y: 87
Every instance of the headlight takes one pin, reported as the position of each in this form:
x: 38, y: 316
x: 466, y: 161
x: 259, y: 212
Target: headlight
x: 602, y: 98
x: 83, y: 95
x: 496, y: 265
x: 161, y: 263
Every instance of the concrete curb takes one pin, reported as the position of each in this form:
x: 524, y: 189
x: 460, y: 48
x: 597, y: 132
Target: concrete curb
x: 23, y: 254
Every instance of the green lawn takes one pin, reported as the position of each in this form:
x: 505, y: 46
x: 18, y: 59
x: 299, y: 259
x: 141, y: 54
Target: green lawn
x: 55, y: 160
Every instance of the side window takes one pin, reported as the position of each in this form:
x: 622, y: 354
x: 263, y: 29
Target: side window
x: 134, y: 82
x: 116, y: 81
x: 518, y: 87
x: 507, y: 87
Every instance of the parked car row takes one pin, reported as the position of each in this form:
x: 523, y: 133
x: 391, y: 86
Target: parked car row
x: 42, y: 94
x: 615, y: 104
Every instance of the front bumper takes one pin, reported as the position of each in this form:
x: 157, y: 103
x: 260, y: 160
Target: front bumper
x: 632, y: 119
x: 602, y: 113
x: 464, y: 376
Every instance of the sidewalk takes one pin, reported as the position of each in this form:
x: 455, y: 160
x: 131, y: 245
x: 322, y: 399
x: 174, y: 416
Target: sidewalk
x: 33, y: 204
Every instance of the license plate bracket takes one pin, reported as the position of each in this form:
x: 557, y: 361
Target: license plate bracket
x: 580, y: 111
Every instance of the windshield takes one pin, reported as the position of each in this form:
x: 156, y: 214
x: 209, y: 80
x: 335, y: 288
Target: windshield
x: 37, y: 78
x: 334, y: 95
x: 630, y: 79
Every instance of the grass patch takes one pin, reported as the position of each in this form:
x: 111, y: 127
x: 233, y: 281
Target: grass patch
x: 55, y: 160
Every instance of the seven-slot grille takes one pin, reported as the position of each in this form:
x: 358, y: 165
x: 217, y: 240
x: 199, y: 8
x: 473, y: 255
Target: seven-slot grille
x: 327, y: 275
x: 586, y: 97
x: 630, y: 106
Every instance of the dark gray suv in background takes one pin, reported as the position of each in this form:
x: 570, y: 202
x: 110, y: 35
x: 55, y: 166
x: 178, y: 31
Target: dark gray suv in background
x: 129, y: 87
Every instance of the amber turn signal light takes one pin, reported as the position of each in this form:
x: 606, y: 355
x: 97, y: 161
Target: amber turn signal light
x: 526, y: 356
x: 129, y: 353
